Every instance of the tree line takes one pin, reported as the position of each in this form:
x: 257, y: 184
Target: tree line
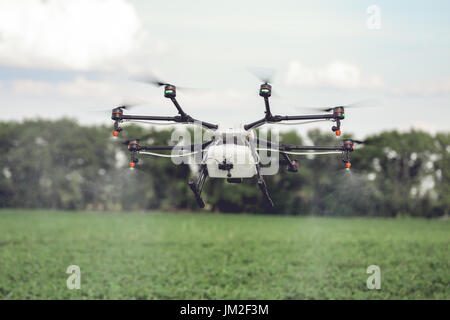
x: 63, y: 165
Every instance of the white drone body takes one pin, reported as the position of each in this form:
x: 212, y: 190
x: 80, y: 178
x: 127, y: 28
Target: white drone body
x: 231, y: 147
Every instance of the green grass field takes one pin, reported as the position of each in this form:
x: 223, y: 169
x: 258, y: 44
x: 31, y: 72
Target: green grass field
x: 210, y: 256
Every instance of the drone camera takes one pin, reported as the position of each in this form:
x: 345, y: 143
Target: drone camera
x: 226, y: 167
x: 170, y: 91
x: 265, y: 90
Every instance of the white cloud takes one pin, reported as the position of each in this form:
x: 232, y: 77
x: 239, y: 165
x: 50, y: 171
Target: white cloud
x: 70, y: 34
x: 337, y: 74
x: 31, y: 87
x: 90, y: 101
x: 424, y: 89
x: 344, y: 75
x: 80, y: 87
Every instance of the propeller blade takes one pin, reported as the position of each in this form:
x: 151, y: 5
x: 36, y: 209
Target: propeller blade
x: 143, y: 138
x: 368, y: 103
x: 127, y: 142
x: 153, y: 80
x: 156, y: 83
x: 150, y: 79
x: 369, y: 141
x: 265, y: 75
x: 361, y: 141
x: 315, y: 109
x: 126, y: 104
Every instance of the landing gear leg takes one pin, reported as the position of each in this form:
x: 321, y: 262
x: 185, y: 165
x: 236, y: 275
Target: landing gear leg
x: 197, y: 186
x: 263, y: 187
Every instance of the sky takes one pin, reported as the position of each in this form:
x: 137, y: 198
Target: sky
x: 79, y: 59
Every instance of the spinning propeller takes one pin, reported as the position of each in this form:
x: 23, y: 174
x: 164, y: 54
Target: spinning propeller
x: 359, y: 104
x: 265, y: 75
x: 133, y: 146
x: 117, y: 113
x: 347, y: 147
x: 135, y: 140
x: 169, y: 88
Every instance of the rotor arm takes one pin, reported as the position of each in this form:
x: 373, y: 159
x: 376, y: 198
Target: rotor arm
x: 147, y: 118
x: 305, y: 117
x: 266, y: 103
x: 155, y: 148
x: 278, y: 118
x: 255, y: 124
x: 177, y: 105
x: 184, y: 117
x: 346, y: 148
x: 268, y: 113
x: 191, y: 147
x: 118, y: 117
x: 134, y: 147
x: 289, y: 147
x: 286, y: 147
x: 177, y: 119
x: 207, y: 125
x: 336, y: 116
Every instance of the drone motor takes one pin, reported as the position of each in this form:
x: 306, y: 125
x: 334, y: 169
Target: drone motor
x: 265, y: 90
x: 348, y: 145
x: 339, y: 113
x: 116, y: 113
x: 133, y: 145
x: 170, y: 91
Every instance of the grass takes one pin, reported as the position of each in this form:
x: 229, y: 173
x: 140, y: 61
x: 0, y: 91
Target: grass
x: 209, y: 256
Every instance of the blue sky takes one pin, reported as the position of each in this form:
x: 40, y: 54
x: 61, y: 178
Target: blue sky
x: 59, y: 57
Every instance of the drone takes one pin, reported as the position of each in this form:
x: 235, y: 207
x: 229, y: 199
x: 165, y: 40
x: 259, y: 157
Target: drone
x: 219, y: 154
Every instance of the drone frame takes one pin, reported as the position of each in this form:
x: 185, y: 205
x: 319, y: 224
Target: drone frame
x: 338, y: 114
